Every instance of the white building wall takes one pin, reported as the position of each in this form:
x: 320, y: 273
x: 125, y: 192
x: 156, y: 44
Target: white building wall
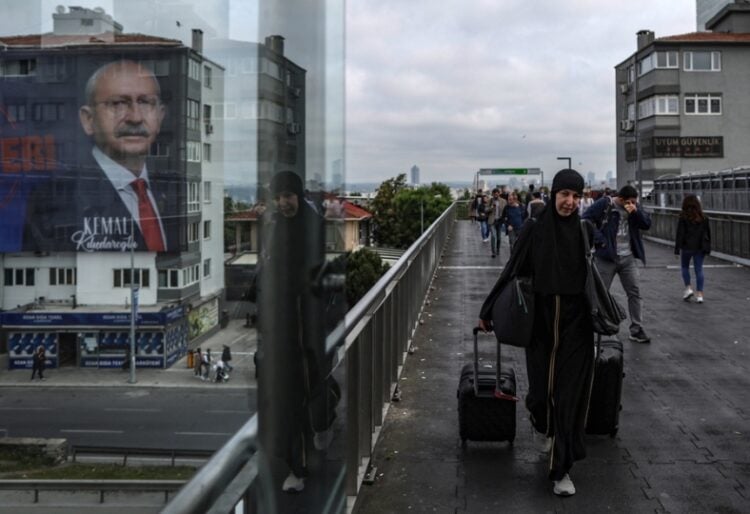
x: 213, y: 205
x: 96, y: 278
x: 13, y: 296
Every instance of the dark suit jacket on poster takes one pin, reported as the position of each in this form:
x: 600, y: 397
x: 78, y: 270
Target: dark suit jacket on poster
x: 78, y: 209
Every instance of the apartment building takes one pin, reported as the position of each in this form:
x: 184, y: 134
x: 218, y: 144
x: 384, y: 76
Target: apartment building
x: 683, y: 100
x: 71, y: 254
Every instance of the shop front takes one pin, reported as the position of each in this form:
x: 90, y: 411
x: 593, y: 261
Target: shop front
x: 93, y: 339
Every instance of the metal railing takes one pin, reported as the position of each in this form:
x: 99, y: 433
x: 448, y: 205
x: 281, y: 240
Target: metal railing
x: 372, y: 343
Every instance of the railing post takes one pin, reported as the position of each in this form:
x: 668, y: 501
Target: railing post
x: 352, y: 420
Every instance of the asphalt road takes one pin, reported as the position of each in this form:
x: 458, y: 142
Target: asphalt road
x: 163, y: 417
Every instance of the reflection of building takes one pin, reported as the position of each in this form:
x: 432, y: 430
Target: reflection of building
x: 78, y: 301
x: 263, y: 111
x: 692, y: 100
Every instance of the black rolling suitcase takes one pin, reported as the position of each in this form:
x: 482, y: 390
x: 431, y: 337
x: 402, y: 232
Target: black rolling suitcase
x: 606, y: 393
x: 486, y: 401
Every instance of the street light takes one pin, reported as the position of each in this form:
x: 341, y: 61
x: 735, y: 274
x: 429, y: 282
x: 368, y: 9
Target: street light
x: 566, y: 159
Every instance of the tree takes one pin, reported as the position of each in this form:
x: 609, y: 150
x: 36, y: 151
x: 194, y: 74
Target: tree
x: 385, y: 217
x: 364, y: 268
x: 398, y: 210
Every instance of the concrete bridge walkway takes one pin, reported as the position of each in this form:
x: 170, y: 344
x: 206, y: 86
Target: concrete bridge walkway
x: 684, y: 438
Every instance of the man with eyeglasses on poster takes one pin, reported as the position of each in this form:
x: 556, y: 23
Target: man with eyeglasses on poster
x: 111, y: 201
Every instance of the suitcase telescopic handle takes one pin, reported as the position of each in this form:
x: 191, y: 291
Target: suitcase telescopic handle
x: 498, y: 391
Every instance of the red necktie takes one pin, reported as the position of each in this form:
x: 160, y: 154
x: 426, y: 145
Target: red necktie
x: 149, y: 221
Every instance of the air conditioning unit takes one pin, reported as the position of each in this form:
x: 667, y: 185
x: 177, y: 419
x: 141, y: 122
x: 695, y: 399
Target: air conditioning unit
x: 293, y: 128
x: 295, y: 91
x: 627, y: 125
x: 209, y: 128
x: 625, y: 88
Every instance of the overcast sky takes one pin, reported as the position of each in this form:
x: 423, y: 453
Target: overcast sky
x: 457, y: 85
x: 454, y: 85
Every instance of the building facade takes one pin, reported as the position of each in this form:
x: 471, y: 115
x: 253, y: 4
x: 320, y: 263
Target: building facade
x: 683, y: 99
x: 74, y: 291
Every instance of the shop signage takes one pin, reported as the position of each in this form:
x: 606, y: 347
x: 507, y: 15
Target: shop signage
x: 56, y: 319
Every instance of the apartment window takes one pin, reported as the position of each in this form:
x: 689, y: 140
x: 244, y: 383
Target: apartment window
x: 703, y: 104
x: 631, y: 74
x: 62, y: 276
x: 658, y: 105
x: 193, y: 114
x: 207, y: 192
x: 191, y: 275
x: 159, y: 149
x: 193, y: 232
x: 207, y: 229
x: 193, y: 151
x: 206, y: 268
x: 631, y: 111
x: 194, y: 69
x: 169, y: 278
x: 159, y: 68
x: 207, y: 76
x: 19, y: 276
x: 206, y: 152
x: 88, y: 22
x: 702, y: 61
x: 49, y: 112
x: 18, y: 67
x: 15, y: 112
x: 657, y: 60
x: 140, y: 277
x: 194, y: 197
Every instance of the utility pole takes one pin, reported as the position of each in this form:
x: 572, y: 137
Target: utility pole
x: 637, y: 139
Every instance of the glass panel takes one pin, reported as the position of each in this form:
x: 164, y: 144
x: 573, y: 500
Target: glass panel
x: 689, y: 105
x: 702, y: 105
x: 231, y: 105
x: 716, y: 105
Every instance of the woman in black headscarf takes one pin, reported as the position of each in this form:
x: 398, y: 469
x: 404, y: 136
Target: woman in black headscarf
x: 291, y: 339
x: 560, y: 358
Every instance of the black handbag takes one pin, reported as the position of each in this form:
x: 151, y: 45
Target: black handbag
x: 606, y: 313
x: 513, y: 312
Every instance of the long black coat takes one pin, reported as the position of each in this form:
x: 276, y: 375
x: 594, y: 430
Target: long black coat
x: 559, y: 360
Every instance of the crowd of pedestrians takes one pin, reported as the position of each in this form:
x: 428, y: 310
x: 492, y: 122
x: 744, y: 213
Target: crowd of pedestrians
x: 545, y: 233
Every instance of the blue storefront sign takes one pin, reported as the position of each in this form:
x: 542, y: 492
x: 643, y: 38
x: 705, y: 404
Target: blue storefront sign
x: 84, y: 319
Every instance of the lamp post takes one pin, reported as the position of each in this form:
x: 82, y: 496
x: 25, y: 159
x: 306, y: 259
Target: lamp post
x: 566, y: 159
x: 133, y: 302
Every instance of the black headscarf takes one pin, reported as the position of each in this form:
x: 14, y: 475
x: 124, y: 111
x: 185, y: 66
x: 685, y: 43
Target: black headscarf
x: 557, y: 248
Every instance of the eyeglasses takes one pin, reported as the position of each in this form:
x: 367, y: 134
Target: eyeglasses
x: 121, y: 106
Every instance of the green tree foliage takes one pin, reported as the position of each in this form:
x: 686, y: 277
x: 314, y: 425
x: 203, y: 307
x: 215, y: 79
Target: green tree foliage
x: 363, y: 269
x: 398, y: 210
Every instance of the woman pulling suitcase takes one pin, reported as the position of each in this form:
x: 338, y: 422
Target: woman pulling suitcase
x: 560, y: 358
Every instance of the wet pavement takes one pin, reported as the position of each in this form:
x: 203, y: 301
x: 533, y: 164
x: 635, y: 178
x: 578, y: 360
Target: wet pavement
x: 683, y: 443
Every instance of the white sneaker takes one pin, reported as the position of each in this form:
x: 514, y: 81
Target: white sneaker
x: 293, y: 483
x: 688, y: 293
x: 564, y: 487
x: 699, y: 299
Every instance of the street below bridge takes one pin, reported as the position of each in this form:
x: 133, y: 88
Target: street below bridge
x: 144, y: 417
x: 683, y: 443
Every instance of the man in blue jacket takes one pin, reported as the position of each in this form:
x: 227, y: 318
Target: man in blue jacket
x: 617, y: 239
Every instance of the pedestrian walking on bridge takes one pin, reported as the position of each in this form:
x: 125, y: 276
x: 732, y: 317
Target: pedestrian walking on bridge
x: 692, y: 242
x: 560, y: 358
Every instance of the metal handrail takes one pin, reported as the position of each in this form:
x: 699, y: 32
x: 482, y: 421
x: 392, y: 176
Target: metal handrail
x: 206, y: 486
x: 210, y: 485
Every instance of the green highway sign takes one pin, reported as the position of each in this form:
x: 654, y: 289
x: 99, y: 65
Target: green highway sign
x: 508, y: 171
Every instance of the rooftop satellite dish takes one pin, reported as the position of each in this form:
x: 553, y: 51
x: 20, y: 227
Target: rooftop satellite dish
x: 99, y: 10
x: 60, y: 9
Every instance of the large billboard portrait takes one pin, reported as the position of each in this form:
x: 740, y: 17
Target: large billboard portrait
x: 89, y: 157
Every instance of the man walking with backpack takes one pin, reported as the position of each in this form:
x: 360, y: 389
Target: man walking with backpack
x: 618, y: 223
